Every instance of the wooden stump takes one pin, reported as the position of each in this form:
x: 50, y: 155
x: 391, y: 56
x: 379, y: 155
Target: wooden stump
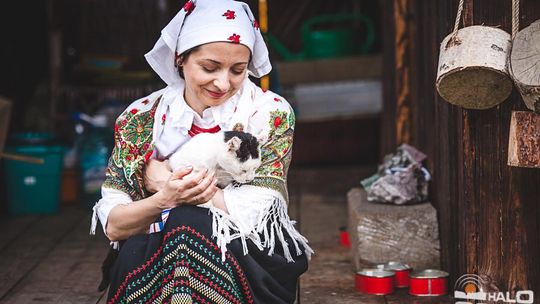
x: 472, y: 71
x: 383, y: 232
x: 525, y: 65
x: 524, y: 142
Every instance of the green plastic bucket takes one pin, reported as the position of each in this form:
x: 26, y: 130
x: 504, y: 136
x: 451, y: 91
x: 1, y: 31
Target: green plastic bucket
x: 34, y: 188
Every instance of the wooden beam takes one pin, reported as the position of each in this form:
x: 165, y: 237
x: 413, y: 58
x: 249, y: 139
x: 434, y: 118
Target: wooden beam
x: 404, y: 47
x: 328, y: 70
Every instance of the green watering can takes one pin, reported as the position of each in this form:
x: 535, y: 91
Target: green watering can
x: 327, y: 43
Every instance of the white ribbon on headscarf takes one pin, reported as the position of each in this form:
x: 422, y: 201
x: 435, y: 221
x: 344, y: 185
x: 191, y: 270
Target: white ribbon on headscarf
x: 204, y: 21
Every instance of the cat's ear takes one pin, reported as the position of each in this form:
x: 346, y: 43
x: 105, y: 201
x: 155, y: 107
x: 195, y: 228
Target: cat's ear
x: 234, y: 144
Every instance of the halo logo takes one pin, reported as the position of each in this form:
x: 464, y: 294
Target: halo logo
x: 470, y: 287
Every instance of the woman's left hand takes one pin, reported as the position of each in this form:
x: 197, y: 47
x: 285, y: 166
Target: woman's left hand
x: 156, y: 175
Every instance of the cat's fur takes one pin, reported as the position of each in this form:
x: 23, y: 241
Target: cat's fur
x: 232, y: 155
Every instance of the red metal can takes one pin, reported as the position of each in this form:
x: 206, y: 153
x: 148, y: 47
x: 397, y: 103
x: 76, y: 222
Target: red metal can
x: 401, y: 270
x: 375, y: 281
x: 428, y: 282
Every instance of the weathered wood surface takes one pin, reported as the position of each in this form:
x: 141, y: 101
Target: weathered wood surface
x: 401, y: 296
x: 524, y: 140
x: 525, y: 65
x: 381, y: 232
x: 69, y: 273
x: 489, y: 212
x: 5, y: 115
x: 50, y: 259
x: 473, y: 70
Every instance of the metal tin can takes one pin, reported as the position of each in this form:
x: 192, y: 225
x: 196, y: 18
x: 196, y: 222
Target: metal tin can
x: 401, y: 270
x: 375, y: 281
x: 428, y: 282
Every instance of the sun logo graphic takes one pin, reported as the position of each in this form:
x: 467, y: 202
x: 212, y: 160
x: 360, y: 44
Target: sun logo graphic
x: 470, y: 287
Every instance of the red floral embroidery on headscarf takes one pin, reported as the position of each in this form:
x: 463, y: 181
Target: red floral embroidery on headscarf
x: 229, y: 14
x: 188, y: 7
x: 256, y: 24
x: 163, y: 118
x: 277, y: 99
x: 234, y: 38
x: 134, y: 111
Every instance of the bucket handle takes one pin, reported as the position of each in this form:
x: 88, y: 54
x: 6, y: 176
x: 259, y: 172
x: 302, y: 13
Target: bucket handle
x: 515, y: 19
x: 370, y: 28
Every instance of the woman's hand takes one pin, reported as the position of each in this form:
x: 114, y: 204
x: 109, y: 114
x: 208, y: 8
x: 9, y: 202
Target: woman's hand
x: 156, y: 174
x: 194, y: 189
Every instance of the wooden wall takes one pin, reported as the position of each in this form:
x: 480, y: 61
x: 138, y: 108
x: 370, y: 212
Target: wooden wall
x: 489, y: 212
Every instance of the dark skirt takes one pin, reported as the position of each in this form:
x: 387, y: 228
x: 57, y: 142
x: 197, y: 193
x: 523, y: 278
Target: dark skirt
x: 183, y: 264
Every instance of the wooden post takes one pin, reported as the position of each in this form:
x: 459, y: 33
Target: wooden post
x: 404, y: 47
x: 263, y: 25
x: 5, y: 115
x: 524, y: 142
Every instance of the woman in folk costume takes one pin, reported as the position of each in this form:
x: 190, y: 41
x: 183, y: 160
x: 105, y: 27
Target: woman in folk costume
x: 244, y: 248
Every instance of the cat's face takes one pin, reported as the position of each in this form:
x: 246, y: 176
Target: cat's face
x: 242, y: 157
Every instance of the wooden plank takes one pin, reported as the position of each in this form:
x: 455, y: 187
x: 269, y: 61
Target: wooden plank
x: 5, y: 115
x: 401, y: 296
x: 524, y: 140
x: 328, y: 70
x: 346, y: 142
x: 70, y: 273
x: 35, y: 243
x: 14, y: 226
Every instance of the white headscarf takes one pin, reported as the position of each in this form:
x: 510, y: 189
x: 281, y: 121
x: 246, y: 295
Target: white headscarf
x: 205, y: 21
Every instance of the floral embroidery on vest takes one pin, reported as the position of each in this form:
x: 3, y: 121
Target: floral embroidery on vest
x: 276, y: 152
x: 133, y: 148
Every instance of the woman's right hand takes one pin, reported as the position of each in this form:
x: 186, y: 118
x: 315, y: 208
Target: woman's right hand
x: 195, y: 189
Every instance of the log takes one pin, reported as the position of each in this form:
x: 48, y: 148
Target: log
x: 473, y: 69
x: 381, y: 233
x: 525, y: 65
x: 524, y: 142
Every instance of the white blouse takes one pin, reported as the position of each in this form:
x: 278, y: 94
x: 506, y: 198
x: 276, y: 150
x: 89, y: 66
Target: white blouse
x: 249, y: 207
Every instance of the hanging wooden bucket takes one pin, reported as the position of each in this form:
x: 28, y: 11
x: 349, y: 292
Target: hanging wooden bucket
x: 525, y: 65
x: 472, y: 71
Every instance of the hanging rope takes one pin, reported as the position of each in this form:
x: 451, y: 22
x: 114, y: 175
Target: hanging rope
x: 458, y: 17
x: 515, y: 18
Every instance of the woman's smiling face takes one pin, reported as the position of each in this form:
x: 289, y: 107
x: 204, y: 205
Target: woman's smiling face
x: 214, y: 72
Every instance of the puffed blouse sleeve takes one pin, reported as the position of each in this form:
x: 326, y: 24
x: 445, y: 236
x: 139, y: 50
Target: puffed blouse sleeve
x: 133, y: 146
x: 258, y: 210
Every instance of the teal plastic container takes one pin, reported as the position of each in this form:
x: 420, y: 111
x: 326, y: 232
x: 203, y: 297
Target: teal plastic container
x: 34, y: 188
x: 95, y: 149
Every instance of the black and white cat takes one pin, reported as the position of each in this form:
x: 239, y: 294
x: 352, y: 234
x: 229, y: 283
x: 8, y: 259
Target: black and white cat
x: 232, y: 155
